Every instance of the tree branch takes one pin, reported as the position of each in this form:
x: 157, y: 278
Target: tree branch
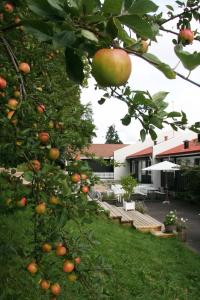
x: 178, y: 74
x: 179, y: 15
x: 15, y: 64
x: 173, y: 32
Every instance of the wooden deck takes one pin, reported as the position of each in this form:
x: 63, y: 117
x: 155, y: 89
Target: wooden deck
x: 141, y: 222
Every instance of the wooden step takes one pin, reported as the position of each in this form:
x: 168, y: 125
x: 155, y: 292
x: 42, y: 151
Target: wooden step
x: 141, y: 222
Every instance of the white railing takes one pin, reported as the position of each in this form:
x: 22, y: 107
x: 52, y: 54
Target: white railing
x: 105, y: 175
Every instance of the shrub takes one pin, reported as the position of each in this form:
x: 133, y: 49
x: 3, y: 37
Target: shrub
x: 141, y: 207
x: 128, y: 184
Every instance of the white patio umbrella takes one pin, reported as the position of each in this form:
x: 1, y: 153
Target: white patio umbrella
x: 165, y: 166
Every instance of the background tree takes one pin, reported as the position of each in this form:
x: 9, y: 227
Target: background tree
x: 112, y: 136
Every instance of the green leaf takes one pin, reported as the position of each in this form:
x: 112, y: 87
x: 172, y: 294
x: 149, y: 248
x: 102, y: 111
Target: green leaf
x: 142, y: 134
x: 122, y: 34
x: 170, y: 7
x: 140, y: 26
x: 190, y: 61
x: 164, y: 68
x: 41, y: 30
x: 64, y: 38
x: 160, y: 96
x: 28, y: 176
x: 74, y: 65
x: 44, y: 8
x: 101, y: 101
x: 126, y: 120
x: 112, y: 7
x: 153, y: 134
x: 156, y: 121
x: 91, y: 6
x: 141, y: 7
x: 55, y: 4
x: 174, y: 114
x: 89, y: 35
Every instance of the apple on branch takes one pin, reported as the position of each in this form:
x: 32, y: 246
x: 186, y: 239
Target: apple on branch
x: 111, y: 67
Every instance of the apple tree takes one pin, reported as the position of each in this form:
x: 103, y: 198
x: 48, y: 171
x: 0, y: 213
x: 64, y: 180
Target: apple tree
x: 43, y: 187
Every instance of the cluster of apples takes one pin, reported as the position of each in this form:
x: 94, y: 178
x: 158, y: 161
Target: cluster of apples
x: 20, y: 203
x: 81, y: 179
x: 69, y: 266
x: 12, y: 103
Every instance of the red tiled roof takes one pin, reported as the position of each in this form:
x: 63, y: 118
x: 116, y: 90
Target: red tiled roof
x: 142, y: 153
x: 194, y: 147
x: 102, y: 150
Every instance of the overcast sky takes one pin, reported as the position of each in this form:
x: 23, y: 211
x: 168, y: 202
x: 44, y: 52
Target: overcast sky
x: 182, y: 94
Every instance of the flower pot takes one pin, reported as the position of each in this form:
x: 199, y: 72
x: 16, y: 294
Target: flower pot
x: 182, y: 235
x: 169, y: 228
x: 129, y: 205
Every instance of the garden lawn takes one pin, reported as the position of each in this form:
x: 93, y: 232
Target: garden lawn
x: 145, y: 267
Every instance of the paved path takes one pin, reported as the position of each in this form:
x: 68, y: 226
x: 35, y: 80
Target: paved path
x: 186, y: 210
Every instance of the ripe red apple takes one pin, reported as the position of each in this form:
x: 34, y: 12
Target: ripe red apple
x: 12, y: 103
x: 84, y: 176
x: 75, y: 178
x: 22, y: 202
x: 111, y: 67
x: 24, y: 68
x: 54, y: 153
x: 55, y: 289
x: 44, y: 284
x: 40, y: 108
x: 32, y: 268
x: 43, y: 137
x: 46, y: 247
x: 40, y: 208
x: 8, y: 7
x: 3, y: 83
x: 186, y: 36
x: 61, y: 250
x: 35, y: 165
x: 85, y: 189
x: 54, y: 200
x: 77, y: 260
x: 72, y: 277
x: 68, y: 266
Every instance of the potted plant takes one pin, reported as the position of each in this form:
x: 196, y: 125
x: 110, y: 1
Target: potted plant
x: 128, y: 184
x: 170, y: 221
x: 181, y: 228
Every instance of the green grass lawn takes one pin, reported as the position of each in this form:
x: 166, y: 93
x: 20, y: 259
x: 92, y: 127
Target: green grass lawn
x: 145, y: 267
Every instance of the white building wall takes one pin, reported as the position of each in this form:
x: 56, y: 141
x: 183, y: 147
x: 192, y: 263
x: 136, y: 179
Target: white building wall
x: 121, y: 154
x: 176, y: 139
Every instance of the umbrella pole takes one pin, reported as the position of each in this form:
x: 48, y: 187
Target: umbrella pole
x: 166, y: 190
